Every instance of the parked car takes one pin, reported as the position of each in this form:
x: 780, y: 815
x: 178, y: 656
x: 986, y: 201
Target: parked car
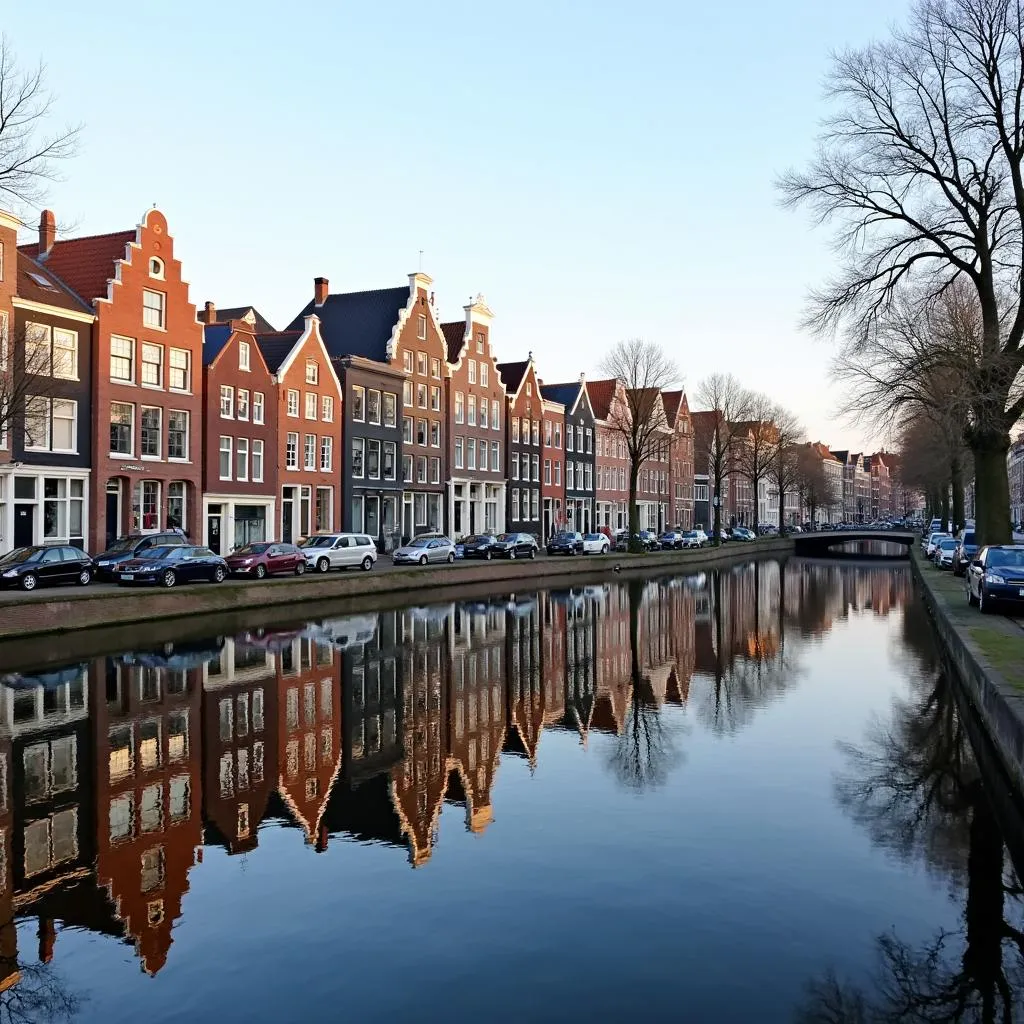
x: 515, y: 545
x: 126, y: 548
x: 967, y: 549
x: 262, y: 559
x: 945, y: 552
x: 996, y: 576
x: 326, y: 551
x: 933, y: 542
x: 565, y: 542
x: 422, y: 550
x: 742, y: 533
x: 596, y: 544
x: 45, y: 565
x: 169, y: 566
x: 671, y: 539
x: 649, y: 540
x: 694, y: 539
x: 478, y: 546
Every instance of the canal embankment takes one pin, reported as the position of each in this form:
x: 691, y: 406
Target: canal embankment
x: 987, y: 653
x: 63, y: 611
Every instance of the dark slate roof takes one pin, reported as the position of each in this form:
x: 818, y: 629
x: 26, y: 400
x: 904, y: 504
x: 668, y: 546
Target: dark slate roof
x: 512, y: 374
x: 455, y: 336
x: 215, y: 337
x: 31, y: 278
x: 262, y: 325
x: 357, y: 323
x: 564, y: 393
x: 276, y: 346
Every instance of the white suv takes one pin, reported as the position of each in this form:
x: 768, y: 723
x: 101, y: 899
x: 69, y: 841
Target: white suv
x: 326, y: 551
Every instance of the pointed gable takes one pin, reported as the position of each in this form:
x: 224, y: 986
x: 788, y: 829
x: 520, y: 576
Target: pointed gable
x: 455, y: 339
x: 513, y: 374
x: 358, y: 323
x: 601, y: 394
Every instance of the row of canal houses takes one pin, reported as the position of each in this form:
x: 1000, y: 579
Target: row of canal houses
x: 365, y: 412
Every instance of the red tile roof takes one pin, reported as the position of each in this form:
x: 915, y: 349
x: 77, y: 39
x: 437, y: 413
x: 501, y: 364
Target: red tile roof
x: 601, y: 393
x: 53, y: 293
x: 85, y: 264
x: 672, y: 400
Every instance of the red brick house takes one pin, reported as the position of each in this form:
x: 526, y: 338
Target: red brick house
x: 240, y: 438
x: 525, y: 414
x: 680, y: 426
x: 308, y: 398
x: 611, y: 471
x: 477, y: 447
x: 552, y: 488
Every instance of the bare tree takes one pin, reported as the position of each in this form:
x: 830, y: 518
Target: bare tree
x: 784, y: 465
x: 29, y: 153
x: 756, y: 445
x: 921, y: 170
x: 644, y: 370
x: 722, y: 394
x: 817, y: 491
x: 26, y: 380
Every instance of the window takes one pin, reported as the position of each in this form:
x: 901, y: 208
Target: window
x: 257, y: 461
x: 152, y: 876
x: 225, y: 457
x: 407, y: 362
x: 482, y: 457
x: 421, y: 395
x: 309, y: 453
x: 421, y: 327
x: 483, y: 374
x: 326, y: 454
x: 421, y: 432
x: 558, y: 435
x: 535, y: 505
x: 179, y: 363
x: 435, y: 368
x: 390, y: 458
x: 472, y: 371
x: 407, y: 429
x: 421, y: 362
x: 311, y: 404
x: 515, y: 503
x: 390, y: 409
x: 312, y: 371
x: 291, y: 451
x: 558, y: 474
x: 407, y: 469
x: 460, y: 407
x: 547, y: 471
x: 495, y: 456
x: 293, y: 402
x: 568, y: 439
x: 151, y: 434
x: 515, y: 430
x: 179, y: 800
x: 435, y: 434
x: 547, y: 433
x: 243, y: 404
x: 122, y: 817
x: 153, y: 304
x: 471, y: 418
x: 459, y: 453
x: 327, y: 409
x: 177, y: 434
x: 421, y: 469
x: 359, y: 404
x: 243, y: 355
x: 323, y: 506
x: 242, y: 458
x: 122, y: 358
x: 590, y: 441
x: 569, y: 478
x: 588, y: 476
x: 156, y: 268
x: 51, y: 424
x: 227, y: 402
x: 435, y: 470
x: 536, y: 468
x: 122, y: 422
x: 57, y: 352
x: 373, y: 459
x: 407, y: 394
x: 373, y: 407
x: 435, y: 398
x: 483, y: 413
x: 257, y: 407
x: 471, y: 453
x: 495, y: 414
x: 579, y: 439
x: 358, y: 450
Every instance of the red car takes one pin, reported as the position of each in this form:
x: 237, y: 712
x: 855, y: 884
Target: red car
x: 264, y: 559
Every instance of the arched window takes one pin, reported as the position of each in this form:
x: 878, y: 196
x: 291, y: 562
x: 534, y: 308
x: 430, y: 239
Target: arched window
x: 156, y: 268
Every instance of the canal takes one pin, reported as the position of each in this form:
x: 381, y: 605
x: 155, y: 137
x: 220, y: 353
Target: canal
x: 732, y: 796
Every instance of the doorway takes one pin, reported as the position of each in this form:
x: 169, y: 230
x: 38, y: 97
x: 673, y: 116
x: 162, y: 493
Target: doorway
x: 288, y: 515
x: 24, y: 524
x: 112, y: 518
x: 213, y: 530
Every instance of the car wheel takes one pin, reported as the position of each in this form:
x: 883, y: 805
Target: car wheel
x: 488, y: 556
x: 451, y: 557
x: 85, y: 577
x: 550, y: 552
x: 300, y: 568
x: 423, y: 559
x: 220, y: 574
x: 985, y: 607
x: 971, y: 600
x: 367, y: 563
x: 169, y: 578
x: 323, y: 565
x: 511, y: 554
x: 29, y: 581
x: 604, y: 550
x: 261, y: 572
x: 533, y: 552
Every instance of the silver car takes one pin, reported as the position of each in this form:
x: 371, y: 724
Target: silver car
x: 423, y: 550
x: 326, y: 551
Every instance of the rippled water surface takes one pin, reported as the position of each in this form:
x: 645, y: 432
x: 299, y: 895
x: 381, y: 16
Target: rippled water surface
x: 725, y: 797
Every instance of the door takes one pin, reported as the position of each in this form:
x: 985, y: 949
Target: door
x: 287, y: 519
x: 72, y: 563
x: 24, y: 524
x: 51, y: 566
x: 113, y: 514
x: 213, y: 531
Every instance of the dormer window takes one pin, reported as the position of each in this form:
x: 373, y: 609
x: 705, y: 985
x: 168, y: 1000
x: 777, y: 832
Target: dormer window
x: 421, y: 328
x: 156, y: 268
x: 312, y: 371
x: 480, y: 343
x: 243, y: 355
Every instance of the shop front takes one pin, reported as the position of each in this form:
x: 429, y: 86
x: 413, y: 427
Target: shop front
x: 232, y: 521
x: 43, y: 505
x: 139, y: 504
x: 375, y: 512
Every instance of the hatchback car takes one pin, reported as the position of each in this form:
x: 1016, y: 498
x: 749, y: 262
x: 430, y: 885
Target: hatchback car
x: 742, y: 533
x: 325, y: 551
x: 515, y: 545
x: 42, y: 565
x: 596, y: 544
x: 169, y: 566
x: 996, y: 577
x: 565, y: 543
x: 946, y: 552
x: 694, y: 538
x: 932, y: 543
x: 480, y: 545
x: 967, y: 550
x: 263, y: 559
x: 127, y: 548
x: 423, y: 550
x: 671, y: 539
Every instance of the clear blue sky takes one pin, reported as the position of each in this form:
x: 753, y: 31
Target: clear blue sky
x: 598, y: 170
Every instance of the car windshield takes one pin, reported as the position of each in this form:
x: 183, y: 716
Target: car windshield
x: 317, y: 542
x: 968, y: 538
x: 482, y: 539
x: 690, y: 533
x: 506, y: 536
x: 160, y: 552
x: 19, y: 555
x: 1013, y: 558
x: 124, y: 544
x: 564, y: 536
x: 938, y: 536
x: 948, y: 544
x: 252, y: 549
x: 592, y: 536
x: 420, y: 542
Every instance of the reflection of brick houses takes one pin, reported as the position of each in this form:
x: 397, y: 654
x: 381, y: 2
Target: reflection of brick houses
x: 524, y: 678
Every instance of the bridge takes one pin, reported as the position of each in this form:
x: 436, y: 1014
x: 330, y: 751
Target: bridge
x: 826, y: 543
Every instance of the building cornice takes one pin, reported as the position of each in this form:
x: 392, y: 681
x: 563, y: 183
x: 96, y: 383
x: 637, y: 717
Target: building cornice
x: 59, y: 311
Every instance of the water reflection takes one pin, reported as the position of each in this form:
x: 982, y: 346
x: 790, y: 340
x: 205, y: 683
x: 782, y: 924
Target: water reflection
x: 115, y: 773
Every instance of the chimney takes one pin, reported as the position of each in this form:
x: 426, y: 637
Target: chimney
x: 47, y: 232
x: 209, y: 315
x: 320, y: 289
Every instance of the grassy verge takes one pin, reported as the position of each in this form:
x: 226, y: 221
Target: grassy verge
x: 1004, y: 651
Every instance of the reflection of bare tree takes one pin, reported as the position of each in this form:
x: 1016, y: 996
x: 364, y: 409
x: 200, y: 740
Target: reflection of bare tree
x: 37, y: 996
x: 915, y: 786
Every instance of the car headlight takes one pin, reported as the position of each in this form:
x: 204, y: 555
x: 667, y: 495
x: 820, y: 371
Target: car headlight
x: 10, y: 574
x: 991, y: 577
x: 246, y: 561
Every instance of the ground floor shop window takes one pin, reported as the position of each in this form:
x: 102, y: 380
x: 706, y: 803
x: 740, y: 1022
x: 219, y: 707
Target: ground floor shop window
x: 250, y: 524
x: 357, y: 514
x: 176, y: 505
x: 324, y: 501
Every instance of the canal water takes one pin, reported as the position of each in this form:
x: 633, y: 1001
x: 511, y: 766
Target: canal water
x: 734, y: 796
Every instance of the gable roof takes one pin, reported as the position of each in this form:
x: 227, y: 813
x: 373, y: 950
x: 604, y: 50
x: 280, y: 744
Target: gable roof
x: 567, y: 394
x: 276, y: 346
x: 85, y: 264
x: 215, y: 337
x: 674, y: 402
x: 455, y: 337
x: 601, y: 393
x: 357, y: 323
x: 38, y: 284
x: 513, y: 374
x: 260, y: 323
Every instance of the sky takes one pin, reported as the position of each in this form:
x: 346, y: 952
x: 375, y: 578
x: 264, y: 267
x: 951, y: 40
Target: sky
x: 597, y: 170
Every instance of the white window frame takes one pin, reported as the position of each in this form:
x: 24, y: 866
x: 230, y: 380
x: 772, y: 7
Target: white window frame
x: 227, y: 449
x: 154, y: 314
x: 187, y: 369
x: 144, y: 362
x: 291, y: 450
x: 130, y: 379
x: 159, y: 432
x: 312, y: 401
x: 327, y: 408
x: 326, y: 453
x: 258, y: 407
x: 227, y: 402
x: 257, y: 460
x: 309, y: 453
x: 244, y: 357
x: 131, y: 428
x: 293, y: 403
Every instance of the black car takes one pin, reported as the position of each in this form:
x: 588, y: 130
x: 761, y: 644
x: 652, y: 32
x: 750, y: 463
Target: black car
x: 515, y: 545
x: 996, y: 576
x: 108, y: 565
x: 479, y: 546
x: 566, y: 543
x: 671, y: 539
x: 967, y: 550
x: 42, y: 565
x: 168, y: 566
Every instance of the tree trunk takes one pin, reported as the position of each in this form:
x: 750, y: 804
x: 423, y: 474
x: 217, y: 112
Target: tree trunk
x: 634, y: 510
x: 756, y: 488
x: 992, y: 489
x: 716, y: 511
x: 956, y: 476
x: 944, y: 506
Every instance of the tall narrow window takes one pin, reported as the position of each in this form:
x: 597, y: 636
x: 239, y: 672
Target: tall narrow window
x: 309, y: 452
x: 177, y: 435
x: 243, y: 355
x: 227, y: 402
x: 257, y: 461
x: 179, y: 362
x: 122, y: 359
x: 225, y: 457
x: 152, y: 434
x: 257, y: 407
x: 243, y: 404
x: 153, y: 309
x: 291, y: 451
x: 242, y: 458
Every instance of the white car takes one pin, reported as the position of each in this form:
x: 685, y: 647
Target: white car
x: 325, y: 551
x: 596, y: 544
x: 933, y: 543
x: 424, y: 549
x: 694, y: 539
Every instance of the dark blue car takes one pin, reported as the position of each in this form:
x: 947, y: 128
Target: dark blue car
x: 996, y: 577
x: 169, y: 566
